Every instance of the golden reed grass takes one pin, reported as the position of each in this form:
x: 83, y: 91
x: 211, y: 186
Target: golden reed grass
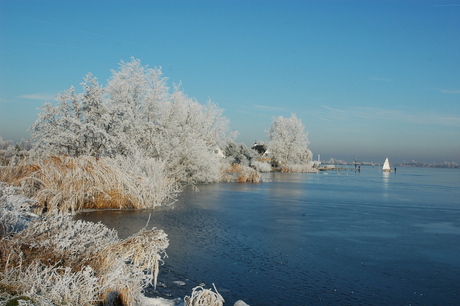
x: 56, y: 260
x: 241, y: 174
x: 71, y: 184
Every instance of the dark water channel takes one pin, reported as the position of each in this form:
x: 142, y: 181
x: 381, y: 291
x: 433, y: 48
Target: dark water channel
x: 341, y: 238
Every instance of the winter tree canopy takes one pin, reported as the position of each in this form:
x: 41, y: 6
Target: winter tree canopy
x: 135, y: 112
x: 288, y: 141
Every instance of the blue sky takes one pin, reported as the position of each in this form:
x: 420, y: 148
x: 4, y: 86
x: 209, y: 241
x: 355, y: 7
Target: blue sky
x: 369, y: 79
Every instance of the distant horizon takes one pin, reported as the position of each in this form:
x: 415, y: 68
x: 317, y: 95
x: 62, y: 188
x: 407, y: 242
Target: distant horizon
x: 338, y: 157
x: 368, y: 79
x: 327, y: 155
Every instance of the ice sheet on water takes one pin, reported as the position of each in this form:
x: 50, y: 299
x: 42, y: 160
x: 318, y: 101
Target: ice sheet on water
x: 179, y: 283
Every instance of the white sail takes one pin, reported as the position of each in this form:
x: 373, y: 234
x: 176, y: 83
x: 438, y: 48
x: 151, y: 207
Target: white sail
x: 386, y: 165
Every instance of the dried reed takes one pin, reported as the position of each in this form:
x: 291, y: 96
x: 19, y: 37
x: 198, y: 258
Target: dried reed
x: 70, y: 184
x: 204, y: 297
x: 297, y: 168
x: 16, y: 170
x: 241, y: 174
x: 54, y: 285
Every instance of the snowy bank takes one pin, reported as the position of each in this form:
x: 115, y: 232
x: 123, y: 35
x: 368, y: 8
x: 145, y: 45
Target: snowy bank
x: 55, y: 260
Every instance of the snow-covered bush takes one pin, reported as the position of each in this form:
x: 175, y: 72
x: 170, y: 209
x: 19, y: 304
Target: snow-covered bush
x: 239, y: 153
x: 15, y: 209
x: 49, y: 285
x: 261, y: 166
x: 61, y: 261
x: 68, y: 239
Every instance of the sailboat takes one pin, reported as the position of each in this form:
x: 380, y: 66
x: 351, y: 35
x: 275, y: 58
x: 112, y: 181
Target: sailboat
x: 386, y: 165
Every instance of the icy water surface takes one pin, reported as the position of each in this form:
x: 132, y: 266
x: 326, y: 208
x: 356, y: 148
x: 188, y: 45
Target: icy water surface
x: 341, y: 238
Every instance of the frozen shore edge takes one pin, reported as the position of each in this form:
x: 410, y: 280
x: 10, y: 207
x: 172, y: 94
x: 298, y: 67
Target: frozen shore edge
x: 158, y: 301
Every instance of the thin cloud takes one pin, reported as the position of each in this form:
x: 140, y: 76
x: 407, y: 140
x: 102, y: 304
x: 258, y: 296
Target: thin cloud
x: 39, y: 96
x: 324, y: 119
x: 376, y: 113
x: 334, y: 109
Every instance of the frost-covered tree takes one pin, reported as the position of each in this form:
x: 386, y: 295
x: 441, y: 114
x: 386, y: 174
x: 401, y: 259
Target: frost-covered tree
x: 239, y: 153
x: 76, y: 125
x: 288, y: 141
x: 169, y: 126
x: 187, y: 133
x: 136, y: 94
x: 57, y: 128
x: 135, y: 113
x: 5, y: 144
x: 95, y: 138
x: 23, y: 145
x: 9, y: 151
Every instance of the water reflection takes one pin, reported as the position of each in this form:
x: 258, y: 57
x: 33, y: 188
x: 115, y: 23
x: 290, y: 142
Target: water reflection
x: 126, y: 222
x: 289, y: 187
x: 386, y: 184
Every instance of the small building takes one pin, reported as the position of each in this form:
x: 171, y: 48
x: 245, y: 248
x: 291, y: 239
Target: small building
x: 261, y: 148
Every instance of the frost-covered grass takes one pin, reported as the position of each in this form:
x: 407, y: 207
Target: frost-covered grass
x: 297, y: 168
x: 262, y: 166
x: 70, y: 184
x: 54, y: 260
x: 14, y: 211
x: 241, y: 174
x: 204, y: 297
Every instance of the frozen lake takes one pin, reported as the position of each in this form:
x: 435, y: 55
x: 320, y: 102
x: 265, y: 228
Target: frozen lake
x: 301, y: 239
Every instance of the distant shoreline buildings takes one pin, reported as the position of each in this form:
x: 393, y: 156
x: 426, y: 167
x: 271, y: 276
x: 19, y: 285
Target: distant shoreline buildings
x: 412, y: 163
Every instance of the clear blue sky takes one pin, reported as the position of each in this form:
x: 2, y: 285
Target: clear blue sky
x: 369, y: 79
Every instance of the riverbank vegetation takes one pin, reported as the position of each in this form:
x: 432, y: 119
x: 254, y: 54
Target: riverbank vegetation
x: 71, y: 184
x: 135, y: 142
x: 54, y: 260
